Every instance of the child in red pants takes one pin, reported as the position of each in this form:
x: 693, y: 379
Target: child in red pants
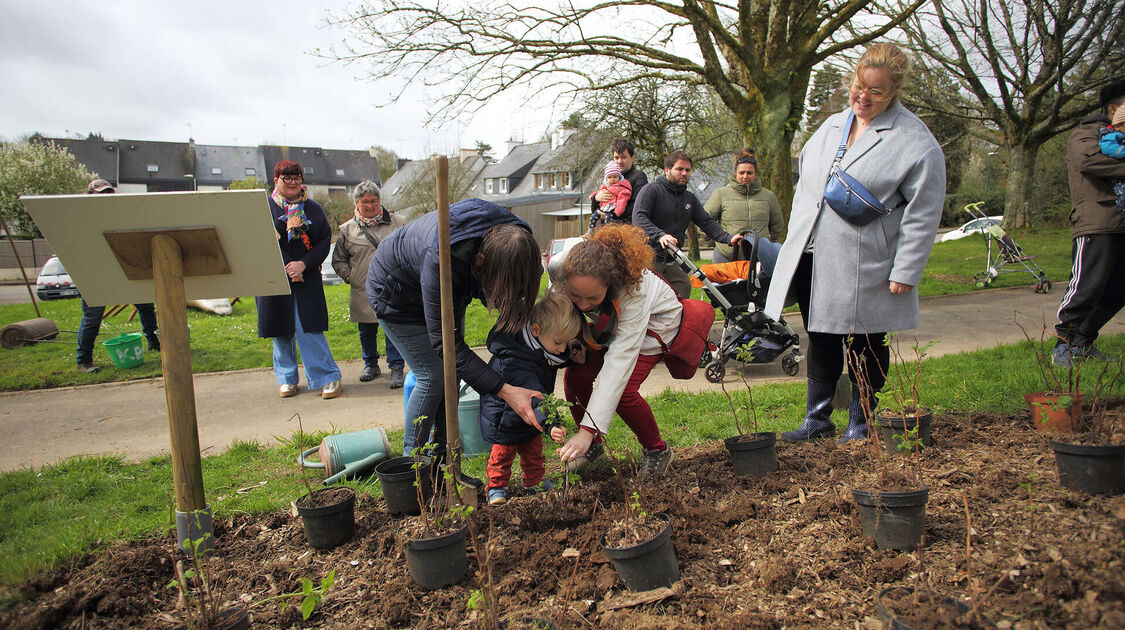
x: 529, y: 358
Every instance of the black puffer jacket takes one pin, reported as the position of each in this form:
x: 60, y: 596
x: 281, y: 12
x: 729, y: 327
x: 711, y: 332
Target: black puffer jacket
x: 522, y: 366
x: 403, y: 283
x: 665, y: 208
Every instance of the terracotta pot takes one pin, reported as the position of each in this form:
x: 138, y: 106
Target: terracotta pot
x: 1048, y: 416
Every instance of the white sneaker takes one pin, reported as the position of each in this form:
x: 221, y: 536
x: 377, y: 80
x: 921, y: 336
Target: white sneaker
x: 331, y: 390
x: 285, y: 391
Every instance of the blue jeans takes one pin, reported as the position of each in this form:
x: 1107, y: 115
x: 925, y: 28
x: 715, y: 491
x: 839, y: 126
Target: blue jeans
x: 369, y: 344
x: 92, y: 323
x: 413, y: 341
x: 320, y: 367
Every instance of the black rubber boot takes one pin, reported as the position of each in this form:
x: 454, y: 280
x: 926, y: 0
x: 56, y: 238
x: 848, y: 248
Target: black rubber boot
x: 857, y: 421
x: 818, y: 414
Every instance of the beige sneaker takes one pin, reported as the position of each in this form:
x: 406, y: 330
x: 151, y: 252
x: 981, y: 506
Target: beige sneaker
x: 285, y: 391
x: 331, y: 390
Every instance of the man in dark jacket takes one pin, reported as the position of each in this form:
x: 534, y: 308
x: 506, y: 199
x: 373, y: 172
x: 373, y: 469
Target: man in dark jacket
x: 624, y: 155
x: 1096, y: 291
x: 664, y: 210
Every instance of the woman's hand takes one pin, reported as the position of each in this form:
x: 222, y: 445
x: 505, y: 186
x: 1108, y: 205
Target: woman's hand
x: 296, y: 271
x: 899, y: 289
x: 519, y: 399
x: 576, y: 446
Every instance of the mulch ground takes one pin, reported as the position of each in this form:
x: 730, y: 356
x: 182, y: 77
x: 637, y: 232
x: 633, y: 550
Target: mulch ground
x: 784, y: 551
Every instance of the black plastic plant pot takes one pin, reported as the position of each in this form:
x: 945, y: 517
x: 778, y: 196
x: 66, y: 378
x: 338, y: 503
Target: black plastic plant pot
x: 233, y: 619
x: 891, y: 423
x: 954, y: 607
x: 896, y: 520
x: 1091, y: 468
x: 328, y: 526
x: 753, y: 455
x: 397, y: 478
x: 648, y: 565
x: 437, y: 562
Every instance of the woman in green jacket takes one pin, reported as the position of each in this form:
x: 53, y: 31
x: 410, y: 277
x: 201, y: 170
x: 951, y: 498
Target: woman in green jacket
x: 743, y: 204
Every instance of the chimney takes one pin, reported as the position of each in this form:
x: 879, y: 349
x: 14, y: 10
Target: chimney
x: 510, y: 146
x: 467, y: 154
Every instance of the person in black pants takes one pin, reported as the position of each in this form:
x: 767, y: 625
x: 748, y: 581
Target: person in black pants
x: 92, y: 315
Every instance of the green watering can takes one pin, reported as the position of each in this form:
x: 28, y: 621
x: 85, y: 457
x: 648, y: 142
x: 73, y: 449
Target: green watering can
x: 348, y: 454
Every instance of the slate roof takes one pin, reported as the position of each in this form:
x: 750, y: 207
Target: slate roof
x: 345, y: 167
x: 231, y: 161
x: 518, y: 162
x: 172, y: 160
x: 527, y: 200
x: 98, y: 156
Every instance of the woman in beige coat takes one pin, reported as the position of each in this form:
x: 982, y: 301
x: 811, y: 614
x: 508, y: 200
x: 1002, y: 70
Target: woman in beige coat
x: 358, y: 240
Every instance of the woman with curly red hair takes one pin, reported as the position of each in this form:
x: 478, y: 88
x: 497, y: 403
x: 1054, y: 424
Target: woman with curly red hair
x: 607, y: 276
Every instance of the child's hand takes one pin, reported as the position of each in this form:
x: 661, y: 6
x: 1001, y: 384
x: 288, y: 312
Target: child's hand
x: 558, y: 433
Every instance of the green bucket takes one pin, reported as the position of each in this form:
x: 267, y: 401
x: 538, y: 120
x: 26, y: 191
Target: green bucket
x: 126, y: 350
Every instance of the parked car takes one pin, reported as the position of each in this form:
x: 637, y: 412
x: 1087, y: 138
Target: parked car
x: 558, y: 245
x: 972, y: 227
x: 54, y: 282
x: 327, y: 273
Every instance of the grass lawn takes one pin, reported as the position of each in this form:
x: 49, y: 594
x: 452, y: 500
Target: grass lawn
x: 232, y: 343
x: 56, y: 512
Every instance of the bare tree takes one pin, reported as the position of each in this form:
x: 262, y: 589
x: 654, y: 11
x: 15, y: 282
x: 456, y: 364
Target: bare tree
x: 419, y: 195
x: 756, y: 55
x: 1031, y: 66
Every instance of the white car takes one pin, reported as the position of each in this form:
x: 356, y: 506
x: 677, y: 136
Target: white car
x: 54, y: 282
x: 972, y: 227
x: 327, y: 273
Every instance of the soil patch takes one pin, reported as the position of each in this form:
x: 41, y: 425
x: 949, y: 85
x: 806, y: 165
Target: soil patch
x: 785, y: 550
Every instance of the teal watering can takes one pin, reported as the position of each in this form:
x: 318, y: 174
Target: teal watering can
x: 348, y: 454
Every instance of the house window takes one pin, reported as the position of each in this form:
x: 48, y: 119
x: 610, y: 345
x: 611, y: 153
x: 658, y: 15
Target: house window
x: 250, y: 172
x: 551, y: 180
x: 308, y: 171
x: 488, y: 186
x: 538, y: 181
x: 215, y: 170
x: 504, y: 185
x: 339, y: 172
x: 153, y: 168
x: 565, y: 180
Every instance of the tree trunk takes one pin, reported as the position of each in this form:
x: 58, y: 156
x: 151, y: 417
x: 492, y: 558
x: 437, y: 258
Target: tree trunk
x: 1021, y: 165
x: 770, y: 131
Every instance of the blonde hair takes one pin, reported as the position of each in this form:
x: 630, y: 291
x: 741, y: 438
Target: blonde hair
x: 888, y: 57
x: 555, y: 315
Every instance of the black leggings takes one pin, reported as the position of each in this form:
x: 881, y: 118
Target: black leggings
x: 825, y: 356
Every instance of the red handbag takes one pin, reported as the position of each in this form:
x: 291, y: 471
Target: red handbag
x: 682, y: 357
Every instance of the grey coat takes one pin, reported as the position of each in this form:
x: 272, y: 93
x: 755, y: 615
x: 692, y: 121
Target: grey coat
x: 352, y: 256
x: 896, y: 159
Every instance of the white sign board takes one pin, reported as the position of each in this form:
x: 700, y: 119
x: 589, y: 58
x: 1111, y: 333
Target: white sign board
x: 75, y: 226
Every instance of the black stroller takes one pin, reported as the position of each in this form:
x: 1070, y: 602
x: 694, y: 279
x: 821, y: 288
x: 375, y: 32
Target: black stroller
x: 748, y: 335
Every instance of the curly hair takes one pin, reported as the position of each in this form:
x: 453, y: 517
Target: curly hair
x: 616, y: 254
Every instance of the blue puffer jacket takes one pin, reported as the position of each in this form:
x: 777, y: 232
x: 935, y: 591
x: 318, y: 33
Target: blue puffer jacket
x: 520, y: 365
x: 403, y: 283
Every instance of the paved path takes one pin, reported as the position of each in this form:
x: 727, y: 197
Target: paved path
x: 44, y: 426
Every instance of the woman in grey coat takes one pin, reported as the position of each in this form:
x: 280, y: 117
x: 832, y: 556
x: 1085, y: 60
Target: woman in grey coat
x: 856, y: 283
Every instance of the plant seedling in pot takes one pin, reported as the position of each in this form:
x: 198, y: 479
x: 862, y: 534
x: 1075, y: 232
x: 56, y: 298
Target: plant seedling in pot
x: 1058, y: 408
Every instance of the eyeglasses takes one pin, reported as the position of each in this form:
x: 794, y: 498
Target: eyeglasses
x: 292, y: 179
x: 875, y: 94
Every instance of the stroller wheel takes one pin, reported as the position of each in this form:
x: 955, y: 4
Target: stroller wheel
x: 790, y: 366
x: 705, y: 359
x: 715, y: 372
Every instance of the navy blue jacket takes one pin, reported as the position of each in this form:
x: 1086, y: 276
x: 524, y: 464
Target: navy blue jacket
x: 275, y: 312
x: 521, y: 366
x: 403, y: 283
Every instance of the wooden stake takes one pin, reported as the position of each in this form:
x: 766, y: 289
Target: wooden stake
x: 448, y: 347
x: 175, y: 358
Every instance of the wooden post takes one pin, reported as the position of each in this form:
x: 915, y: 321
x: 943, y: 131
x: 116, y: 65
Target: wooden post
x: 175, y: 358
x: 448, y: 346
x: 19, y: 263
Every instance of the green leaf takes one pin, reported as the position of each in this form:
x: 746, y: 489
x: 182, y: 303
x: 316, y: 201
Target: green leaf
x: 307, y: 607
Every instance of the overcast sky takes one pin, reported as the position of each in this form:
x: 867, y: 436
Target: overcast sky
x: 221, y: 72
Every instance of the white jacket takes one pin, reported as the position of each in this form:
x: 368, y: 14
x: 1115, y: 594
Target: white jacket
x: 653, y: 306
